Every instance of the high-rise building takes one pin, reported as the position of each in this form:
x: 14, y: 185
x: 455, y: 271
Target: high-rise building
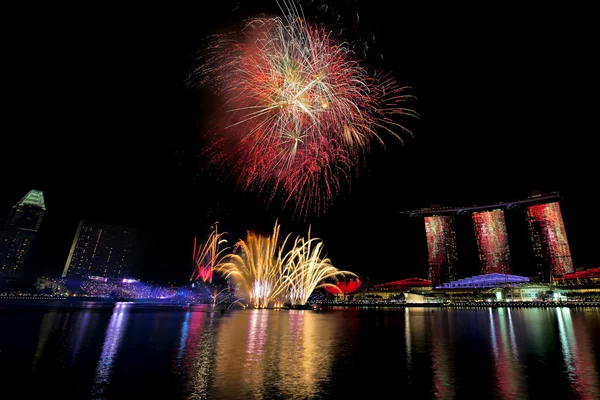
x: 16, y: 240
x: 492, y: 242
x: 101, y: 250
x: 549, y: 237
x: 15, y: 249
x: 441, y: 248
x: 27, y: 214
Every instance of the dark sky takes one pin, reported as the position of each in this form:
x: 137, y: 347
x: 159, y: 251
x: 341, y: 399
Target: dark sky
x: 99, y: 117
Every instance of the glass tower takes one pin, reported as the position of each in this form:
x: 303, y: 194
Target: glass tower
x: 101, y: 250
x: 16, y: 240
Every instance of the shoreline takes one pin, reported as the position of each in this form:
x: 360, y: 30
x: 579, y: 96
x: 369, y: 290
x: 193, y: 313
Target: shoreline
x: 515, y: 304
x: 74, y: 303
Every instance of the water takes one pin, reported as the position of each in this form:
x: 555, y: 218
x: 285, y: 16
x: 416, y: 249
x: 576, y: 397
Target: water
x: 137, y: 351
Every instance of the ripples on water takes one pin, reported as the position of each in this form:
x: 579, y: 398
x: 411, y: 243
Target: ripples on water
x: 134, y: 351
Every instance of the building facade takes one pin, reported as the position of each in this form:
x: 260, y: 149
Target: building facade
x: 549, y: 238
x: 101, y: 250
x: 27, y: 214
x: 441, y: 247
x: 18, y: 236
x: 492, y: 242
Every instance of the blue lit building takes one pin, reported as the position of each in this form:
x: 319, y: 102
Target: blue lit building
x: 485, y: 281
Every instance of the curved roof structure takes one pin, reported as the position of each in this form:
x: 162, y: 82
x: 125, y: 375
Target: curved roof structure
x: 344, y: 287
x: 485, y: 281
x: 403, y: 284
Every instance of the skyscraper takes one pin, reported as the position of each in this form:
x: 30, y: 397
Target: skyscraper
x: 549, y: 237
x: 441, y: 248
x: 492, y: 242
x: 27, y: 214
x: 101, y: 250
x: 18, y: 236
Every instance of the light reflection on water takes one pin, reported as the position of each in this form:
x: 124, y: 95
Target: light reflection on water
x: 79, y: 332
x: 295, y: 354
x: 282, y: 353
x: 579, y: 358
x: 112, y: 340
x: 509, y: 373
x: 442, y: 358
x: 46, y: 329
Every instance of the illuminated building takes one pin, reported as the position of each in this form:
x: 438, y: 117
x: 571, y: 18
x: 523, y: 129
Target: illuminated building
x: 16, y: 241
x: 27, y: 214
x: 549, y: 237
x: 441, y: 247
x: 542, y: 218
x: 101, y: 250
x: 485, y: 281
x: 588, y: 277
x: 492, y: 242
x: 396, y: 290
x: 15, y: 248
x: 404, y: 284
x: 344, y: 288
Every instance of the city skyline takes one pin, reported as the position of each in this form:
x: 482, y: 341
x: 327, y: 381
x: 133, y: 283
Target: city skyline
x: 548, y: 250
x: 130, y: 149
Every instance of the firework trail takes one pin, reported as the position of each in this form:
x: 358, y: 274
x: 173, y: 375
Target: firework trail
x: 207, y: 255
x: 306, y: 270
x: 270, y: 275
x: 299, y: 112
x: 259, y: 269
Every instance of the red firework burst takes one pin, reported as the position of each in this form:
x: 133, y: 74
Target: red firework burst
x: 299, y: 111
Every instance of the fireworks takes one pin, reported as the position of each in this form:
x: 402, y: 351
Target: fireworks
x: 299, y: 111
x: 258, y: 270
x: 206, y: 256
x: 269, y: 275
x: 306, y: 270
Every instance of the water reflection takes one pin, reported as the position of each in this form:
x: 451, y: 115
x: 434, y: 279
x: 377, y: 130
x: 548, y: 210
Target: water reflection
x: 112, y: 341
x: 442, y: 357
x: 578, y: 355
x: 204, y: 352
x: 307, y: 356
x: 196, y: 352
x: 79, y: 331
x: 191, y: 331
x: 47, y: 327
x: 266, y: 354
x: 508, y: 372
x: 507, y: 353
x: 183, y: 336
x: 408, y: 343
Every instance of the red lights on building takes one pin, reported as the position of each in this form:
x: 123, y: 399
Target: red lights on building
x: 592, y: 273
x: 441, y: 247
x: 550, y: 244
x: 492, y: 242
x: 544, y: 219
x: 344, y: 287
x: 404, y: 284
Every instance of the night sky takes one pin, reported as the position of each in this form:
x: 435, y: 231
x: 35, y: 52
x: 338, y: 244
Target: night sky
x: 99, y: 117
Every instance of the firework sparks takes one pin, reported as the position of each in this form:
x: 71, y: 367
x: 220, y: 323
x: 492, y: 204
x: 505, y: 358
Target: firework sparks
x: 269, y: 275
x: 258, y: 269
x: 308, y: 270
x: 299, y: 110
x: 207, y: 255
